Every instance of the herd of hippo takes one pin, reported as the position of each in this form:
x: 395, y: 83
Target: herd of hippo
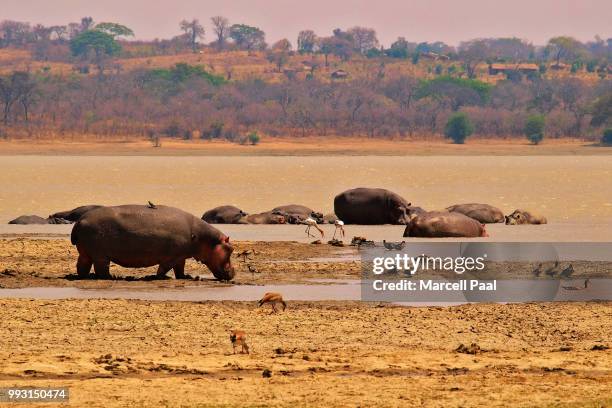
x: 148, y: 235
x: 377, y: 206
x: 365, y: 206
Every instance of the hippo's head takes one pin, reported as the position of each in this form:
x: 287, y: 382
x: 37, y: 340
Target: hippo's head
x: 518, y: 217
x: 278, y: 218
x: 317, y: 216
x: 400, y: 214
x: 217, y: 256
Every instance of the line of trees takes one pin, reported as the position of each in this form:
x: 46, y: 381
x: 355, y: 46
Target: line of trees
x: 187, y: 101
x: 47, y: 42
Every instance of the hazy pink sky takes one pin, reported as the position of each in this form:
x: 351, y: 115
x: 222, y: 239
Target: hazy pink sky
x: 417, y: 20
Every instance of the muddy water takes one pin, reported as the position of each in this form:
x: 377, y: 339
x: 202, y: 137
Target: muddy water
x: 564, y: 188
x: 338, y: 290
x: 560, y: 231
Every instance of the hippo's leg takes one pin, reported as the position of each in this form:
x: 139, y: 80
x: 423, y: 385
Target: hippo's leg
x: 163, y: 269
x: 101, y: 267
x: 179, y: 269
x: 83, y: 265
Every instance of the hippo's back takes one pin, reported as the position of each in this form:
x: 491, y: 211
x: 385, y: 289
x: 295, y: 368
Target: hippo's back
x: 75, y: 214
x: 294, y: 209
x: 29, y: 219
x: 365, y: 205
x: 225, y: 214
x: 133, y: 235
x: 484, y: 213
x: 440, y: 224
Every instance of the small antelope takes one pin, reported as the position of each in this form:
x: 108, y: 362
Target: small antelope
x: 238, y: 338
x: 272, y: 298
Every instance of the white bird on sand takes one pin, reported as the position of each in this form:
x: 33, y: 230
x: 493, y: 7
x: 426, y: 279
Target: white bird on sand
x: 310, y: 222
x: 339, y: 226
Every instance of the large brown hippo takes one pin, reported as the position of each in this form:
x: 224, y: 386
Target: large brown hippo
x: 295, y: 213
x: 225, y: 214
x: 75, y: 214
x: 267, y: 217
x: 441, y: 224
x: 135, y: 236
x: 522, y: 217
x: 485, y: 213
x: 373, y: 206
x: 36, y: 220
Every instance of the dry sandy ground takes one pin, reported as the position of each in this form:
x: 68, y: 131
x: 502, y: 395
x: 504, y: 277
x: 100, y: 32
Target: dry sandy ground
x: 332, y: 354
x: 115, y: 353
x: 291, y: 146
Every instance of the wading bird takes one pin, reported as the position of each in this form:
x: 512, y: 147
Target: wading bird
x: 252, y: 269
x: 586, y: 285
x: 273, y: 299
x: 552, y: 270
x: 567, y: 272
x: 339, y: 226
x: 394, y: 246
x: 245, y: 255
x: 238, y: 338
x: 310, y: 222
x: 151, y: 205
x: 537, y: 271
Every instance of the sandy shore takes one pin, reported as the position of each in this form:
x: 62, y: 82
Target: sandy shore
x: 113, y: 353
x: 132, y: 353
x: 41, y: 263
x: 285, y: 146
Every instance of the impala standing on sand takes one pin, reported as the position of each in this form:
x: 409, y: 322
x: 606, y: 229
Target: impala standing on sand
x: 273, y: 299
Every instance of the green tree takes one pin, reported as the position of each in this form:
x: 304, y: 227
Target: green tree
x: 247, y: 37
x: 94, y: 44
x: 534, y: 128
x: 399, y: 49
x: 456, y: 92
x: 564, y: 48
x: 606, y: 139
x: 458, y: 127
x: 602, y: 110
x: 114, y: 29
x: 254, y: 138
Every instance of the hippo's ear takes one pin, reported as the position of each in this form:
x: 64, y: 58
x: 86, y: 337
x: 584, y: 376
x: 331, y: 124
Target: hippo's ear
x: 225, y: 239
x: 409, y: 204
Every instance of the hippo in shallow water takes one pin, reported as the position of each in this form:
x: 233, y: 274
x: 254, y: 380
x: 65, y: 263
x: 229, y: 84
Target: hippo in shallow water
x: 75, y: 214
x: 522, y: 217
x: 225, y: 214
x: 373, y: 206
x: 136, y: 236
x: 296, y: 214
x: 441, y: 224
x: 267, y: 217
x: 485, y: 213
x: 36, y: 220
